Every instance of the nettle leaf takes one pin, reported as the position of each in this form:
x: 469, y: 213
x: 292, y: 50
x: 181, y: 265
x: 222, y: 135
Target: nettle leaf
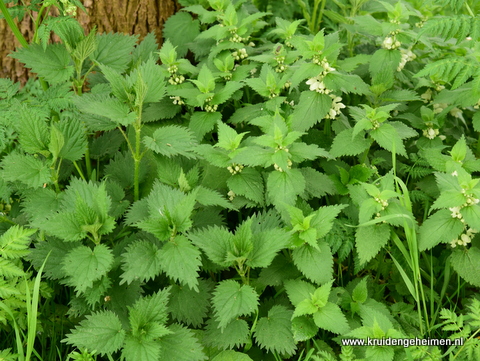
x: 215, y: 241
x: 298, y: 291
x: 439, y: 227
x: 148, y: 310
x: 235, y: 334
x: 180, y: 260
x: 84, y: 265
x: 266, y: 244
x: 181, y: 345
x: 32, y: 130
x: 140, y: 349
x: 53, y: 63
x: 74, y: 139
x: 114, y: 50
x: 331, y: 318
x: 25, y: 169
x: 106, y: 106
x: 181, y: 29
x: 311, y: 108
x: 203, y: 122
x: 345, y: 143
x: 370, y: 240
x: 57, y: 250
x: 172, y: 140
x: 284, y: 187
x: 100, y: 331
x: 274, y: 332
x: 189, y: 306
x: 231, y: 355
x: 231, y: 300
x: 210, y: 197
x: 248, y: 183
x: 140, y: 261
x: 388, y: 138
x: 315, y: 263
x: 303, y: 328
x: 466, y: 262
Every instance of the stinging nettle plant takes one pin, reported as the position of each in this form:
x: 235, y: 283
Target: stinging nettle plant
x: 253, y: 189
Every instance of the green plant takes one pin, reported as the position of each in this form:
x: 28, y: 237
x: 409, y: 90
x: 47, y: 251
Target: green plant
x: 251, y: 190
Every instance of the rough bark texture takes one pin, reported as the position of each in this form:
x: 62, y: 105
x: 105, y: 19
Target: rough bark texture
x: 126, y: 16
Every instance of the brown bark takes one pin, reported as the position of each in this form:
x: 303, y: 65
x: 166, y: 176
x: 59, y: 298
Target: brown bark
x: 126, y: 16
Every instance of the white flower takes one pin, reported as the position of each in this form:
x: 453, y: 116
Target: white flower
x: 430, y: 133
x: 465, y: 239
x: 453, y: 243
x: 427, y: 96
x: 455, y: 212
x: 390, y: 43
x: 317, y: 85
x: 455, y: 174
x: 457, y: 113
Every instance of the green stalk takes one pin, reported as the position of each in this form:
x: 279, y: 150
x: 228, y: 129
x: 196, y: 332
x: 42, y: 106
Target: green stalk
x: 12, y: 25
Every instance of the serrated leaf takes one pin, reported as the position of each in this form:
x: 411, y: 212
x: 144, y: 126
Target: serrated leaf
x: 53, y: 63
x: 32, y: 130
x: 311, y: 108
x: 315, y: 263
x: 232, y: 300
x: 466, y: 262
x: 274, y: 333
x: 370, y: 240
x: 210, y: 197
x: 140, y: 261
x: 181, y: 345
x: 25, y: 169
x: 266, y: 244
x: 189, y: 306
x: 181, y: 29
x: 101, y: 331
x: 248, y: 183
x: 114, y: 50
x: 83, y: 265
x: 439, y: 227
x: 14, y: 243
x: 284, y: 187
x: 203, y: 122
x: 235, y: 334
x: 215, y: 242
x: 387, y: 137
x: 231, y: 355
x: 148, y: 310
x: 331, y: 318
x: 303, y: 328
x: 180, y: 260
x: 346, y: 144
x: 139, y: 349
x: 74, y: 139
x: 298, y: 291
x: 172, y: 140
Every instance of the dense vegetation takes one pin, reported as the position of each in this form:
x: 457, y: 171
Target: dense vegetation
x: 276, y: 178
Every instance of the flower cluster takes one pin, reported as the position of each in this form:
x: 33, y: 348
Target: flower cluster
x: 231, y: 195
x: 69, y: 8
x: 464, y: 238
x: 382, y: 202
x: 281, y: 67
x: 174, y: 77
x: 211, y: 108
x: 407, y: 55
x: 240, y: 54
x: 430, y: 133
x: 335, y: 108
x: 439, y: 107
x: 177, y: 100
x: 280, y: 169
x: 317, y: 84
x: 235, y: 168
x: 391, y: 43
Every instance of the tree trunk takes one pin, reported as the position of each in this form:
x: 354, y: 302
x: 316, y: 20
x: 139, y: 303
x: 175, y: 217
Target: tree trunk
x: 126, y: 16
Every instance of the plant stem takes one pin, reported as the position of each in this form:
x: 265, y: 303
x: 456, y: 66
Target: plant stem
x: 12, y: 25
